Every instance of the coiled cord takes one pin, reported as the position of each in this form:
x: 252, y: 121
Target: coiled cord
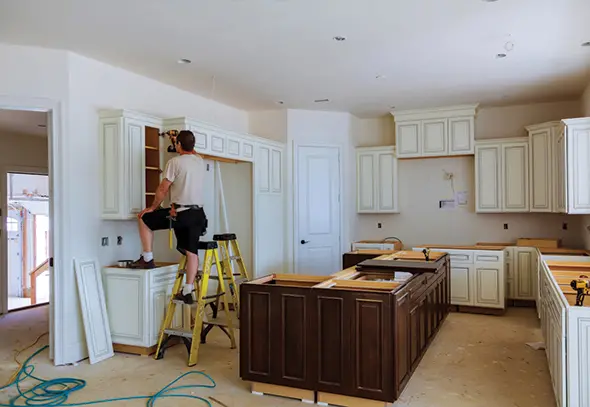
x: 55, y: 392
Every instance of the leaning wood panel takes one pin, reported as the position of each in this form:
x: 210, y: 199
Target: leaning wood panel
x: 94, y: 310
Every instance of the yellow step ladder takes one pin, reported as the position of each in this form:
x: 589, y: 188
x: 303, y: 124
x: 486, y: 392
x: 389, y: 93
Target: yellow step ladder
x: 226, y: 242
x: 191, y: 332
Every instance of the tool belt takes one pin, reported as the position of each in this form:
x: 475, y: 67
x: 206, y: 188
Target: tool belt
x: 187, y: 206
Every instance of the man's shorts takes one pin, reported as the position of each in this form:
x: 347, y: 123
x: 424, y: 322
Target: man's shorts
x: 189, y: 226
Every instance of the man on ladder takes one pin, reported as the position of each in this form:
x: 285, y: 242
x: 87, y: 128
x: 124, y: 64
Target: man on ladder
x: 183, y: 178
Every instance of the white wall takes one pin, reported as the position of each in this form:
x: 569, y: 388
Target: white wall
x: 23, y: 151
x: 510, y: 121
x: 271, y: 124
x: 421, y: 186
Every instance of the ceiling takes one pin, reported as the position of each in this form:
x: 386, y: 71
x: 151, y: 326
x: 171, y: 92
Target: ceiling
x: 251, y: 54
x: 24, y: 123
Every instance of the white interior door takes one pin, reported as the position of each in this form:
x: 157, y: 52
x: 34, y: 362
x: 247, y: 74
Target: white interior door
x: 317, y: 210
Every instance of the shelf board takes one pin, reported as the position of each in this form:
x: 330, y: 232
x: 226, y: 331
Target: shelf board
x: 151, y: 193
x: 151, y: 148
x: 153, y: 169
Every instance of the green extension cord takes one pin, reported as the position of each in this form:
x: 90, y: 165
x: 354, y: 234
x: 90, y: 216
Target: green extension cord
x: 55, y: 392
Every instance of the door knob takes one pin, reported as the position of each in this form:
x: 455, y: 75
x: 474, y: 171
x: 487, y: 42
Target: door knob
x: 304, y: 241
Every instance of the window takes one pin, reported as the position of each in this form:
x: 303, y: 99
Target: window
x: 11, y: 224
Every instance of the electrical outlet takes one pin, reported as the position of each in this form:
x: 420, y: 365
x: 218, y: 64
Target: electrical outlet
x: 105, y: 241
x: 119, y: 240
x: 564, y: 226
x: 379, y: 225
x: 506, y: 226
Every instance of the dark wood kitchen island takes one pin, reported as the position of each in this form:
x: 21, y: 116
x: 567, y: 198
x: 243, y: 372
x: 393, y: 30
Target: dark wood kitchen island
x: 353, y: 338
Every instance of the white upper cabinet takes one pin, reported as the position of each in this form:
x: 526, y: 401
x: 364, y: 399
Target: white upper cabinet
x: 488, y: 178
x: 577, y: 168
x: 435, y: 132
x: 542, y: 140
x: 376, y: 180
x: 515, y: 177
x: 123, y: 165
x: 502, y: 175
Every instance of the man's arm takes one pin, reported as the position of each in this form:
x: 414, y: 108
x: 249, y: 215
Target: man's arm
x: 160, y: 193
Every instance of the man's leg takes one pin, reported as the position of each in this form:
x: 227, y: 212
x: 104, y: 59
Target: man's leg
x: 192, y: 267
x: 156, y: 220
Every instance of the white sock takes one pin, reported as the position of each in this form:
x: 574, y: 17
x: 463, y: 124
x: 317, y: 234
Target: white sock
x: 187, y: 289
x: 148, y: 256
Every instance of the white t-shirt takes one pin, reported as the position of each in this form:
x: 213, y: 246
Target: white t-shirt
x: 187, y: 173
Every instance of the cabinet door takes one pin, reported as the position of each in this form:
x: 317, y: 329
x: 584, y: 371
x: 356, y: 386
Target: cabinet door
x: 415, y: 332
x: 541, y: 168
x: 333, y: 342
x: 515, y: 177
x: 293, y: 331
x: 525, y: 284
x: 135, y: 165
x: 487, y: 178
x: 371, y: 341
x: 434, y: 137
x: 402, y: 358
x: 256, y: 335
x: 408, y: 139
x: 366, y: 170
x: 158, y: 304
x: 111, y: 152
x: 561, y: 172
x: 461, y: 135
x: 488, y: 288
x: 263, y: 163
x: 461, y: 285
x: 386, y: 182
x: 578, y: 169
x: 276, y: 170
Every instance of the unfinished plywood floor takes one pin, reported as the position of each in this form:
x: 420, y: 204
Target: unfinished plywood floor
x: 474, y: 361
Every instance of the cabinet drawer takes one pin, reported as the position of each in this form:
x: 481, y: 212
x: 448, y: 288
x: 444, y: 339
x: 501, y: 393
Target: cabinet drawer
x: 488, y: 257
x: 459, y: 256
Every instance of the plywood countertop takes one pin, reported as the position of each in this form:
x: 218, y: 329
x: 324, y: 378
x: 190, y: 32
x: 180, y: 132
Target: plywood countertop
x: 371, y: 251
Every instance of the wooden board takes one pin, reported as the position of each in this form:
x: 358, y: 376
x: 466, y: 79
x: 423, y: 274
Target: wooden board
x: 459, y: 247
x: 325, y: 399
x: 306, y: 396
x: 413, y: 255
x: 538, y: 242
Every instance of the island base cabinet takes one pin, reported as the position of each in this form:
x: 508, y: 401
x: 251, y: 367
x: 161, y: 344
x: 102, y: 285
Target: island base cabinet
x: 352, y: 342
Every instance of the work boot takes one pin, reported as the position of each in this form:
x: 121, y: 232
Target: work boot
x: 186, y: 298
x: 142, y: 264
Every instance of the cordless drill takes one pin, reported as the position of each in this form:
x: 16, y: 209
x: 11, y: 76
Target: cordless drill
x: 582, y: 287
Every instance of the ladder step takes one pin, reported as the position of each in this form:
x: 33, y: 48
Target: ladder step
x: 179, y: 332
x: 235, y: 258
x: 214, y: 296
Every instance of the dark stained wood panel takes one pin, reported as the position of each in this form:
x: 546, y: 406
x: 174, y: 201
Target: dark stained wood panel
x: 294, y: 329
x: 372, y: 358
x: 255, y: 334
x: 402, y: 341
x: 333, y: 355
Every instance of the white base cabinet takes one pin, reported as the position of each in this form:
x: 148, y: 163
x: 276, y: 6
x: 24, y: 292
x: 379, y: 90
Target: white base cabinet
x: 502, y: 175
x: 477, y: 277
x: 521, y: 273
x: 376, y: 180
x: 136, y: 302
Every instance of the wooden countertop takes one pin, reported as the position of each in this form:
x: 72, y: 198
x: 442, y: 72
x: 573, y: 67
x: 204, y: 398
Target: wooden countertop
x: 459, y: 247
x: 371, y: 251
x: 563, y: 250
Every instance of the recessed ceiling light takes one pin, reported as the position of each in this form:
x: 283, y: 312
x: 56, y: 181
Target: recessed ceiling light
x: 339, y: 38
x: 500, y: 55
x: 321, y: 100
x: 490, y: 1
x: 184, y: 61
x: 586, y: 44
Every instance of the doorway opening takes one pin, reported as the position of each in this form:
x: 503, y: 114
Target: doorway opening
x: 27, y: 234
